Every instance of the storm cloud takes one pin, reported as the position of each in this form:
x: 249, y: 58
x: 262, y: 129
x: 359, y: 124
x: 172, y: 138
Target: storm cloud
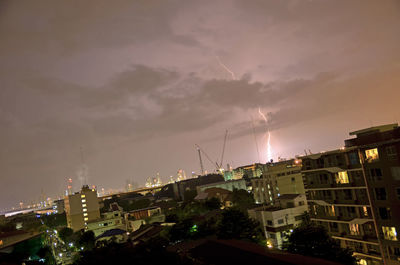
x: 137, y: 84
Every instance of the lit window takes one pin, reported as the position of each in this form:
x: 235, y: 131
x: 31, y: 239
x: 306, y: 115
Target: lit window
x: 371, y: 154
x: 1, y: 242
x: 84, y: 214
x: 84, y: 205
x: 85, y: 218
x: 84, y: 200
x: 365, y: 210
x: 342, y: 177
x: 354, y: 229
x: 83, y: 196
x: 389, y: 233
x: 362, y: 262
x: 84, y: 209
x: 332, y: 210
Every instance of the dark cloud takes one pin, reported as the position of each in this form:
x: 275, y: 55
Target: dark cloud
x: 136, y: 84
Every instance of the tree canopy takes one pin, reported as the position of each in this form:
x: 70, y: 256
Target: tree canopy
x: 313, y: 240
x: 235, y: 224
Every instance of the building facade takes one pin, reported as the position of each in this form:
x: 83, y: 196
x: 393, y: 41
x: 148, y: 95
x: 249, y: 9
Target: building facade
x: 109, y: 221
x: 279, y: 221
x: 278, y: 178
x: 354, y: 192
x: 81, y: 208
x: 249, y: 171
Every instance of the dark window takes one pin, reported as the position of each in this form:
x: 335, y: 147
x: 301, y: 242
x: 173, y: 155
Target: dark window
x: 396, y: 251
x: 323, y: 178
x: 353, y: 158
x: 272, y: 236
x: 269, y: 222
x: 398, y: 193
x: 376, y: 174
x: 290, y: 205
x: 380, y: 193
x: 391, y: 152
x: 347, y: 195
x: 384, y: 213
x: 298, y: 218
x: 280, y: 221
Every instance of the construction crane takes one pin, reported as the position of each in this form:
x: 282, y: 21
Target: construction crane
x: 208, y: 158
x: 201, y: 161
x: 218, y: 166
x: 223, y: 151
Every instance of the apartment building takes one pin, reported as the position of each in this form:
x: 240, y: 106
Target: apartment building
x: 354, y: 192
x: 283, y: 177
x: 82, y: 208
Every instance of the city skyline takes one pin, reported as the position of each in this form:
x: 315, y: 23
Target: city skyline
x: 137, y: 85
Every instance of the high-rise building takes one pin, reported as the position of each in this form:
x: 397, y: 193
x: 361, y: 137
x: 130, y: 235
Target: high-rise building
x: 278, y: 178
x: 354, y: 192
x: 81, y: 208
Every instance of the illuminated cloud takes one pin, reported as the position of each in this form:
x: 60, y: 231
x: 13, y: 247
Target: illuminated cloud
x: 138, y: 84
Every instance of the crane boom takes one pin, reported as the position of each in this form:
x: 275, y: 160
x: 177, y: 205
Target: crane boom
x: 209, y: 159
x: 201, y: 161
x: 223, y: 149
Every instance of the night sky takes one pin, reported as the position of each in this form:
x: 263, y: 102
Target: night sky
x: 136, y: 84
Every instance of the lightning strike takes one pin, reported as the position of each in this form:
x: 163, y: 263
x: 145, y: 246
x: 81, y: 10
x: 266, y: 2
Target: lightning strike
x: 226, y: 68
x: 267, y: 134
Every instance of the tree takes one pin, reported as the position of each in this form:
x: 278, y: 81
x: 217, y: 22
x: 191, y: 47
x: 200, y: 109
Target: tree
x: 213, y: 204
x: 66, y: 234
x: 242, y: 199
x: 181, y: 230
x: 55, y: 220
x: 87, y: 240
x: 313, y: 240
x: 46, y: 254
x: 235, y: 224
x: 189, y: 195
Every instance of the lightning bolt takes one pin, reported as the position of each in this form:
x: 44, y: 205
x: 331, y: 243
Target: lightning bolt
x: 268, y: 135
x: 226, y: 68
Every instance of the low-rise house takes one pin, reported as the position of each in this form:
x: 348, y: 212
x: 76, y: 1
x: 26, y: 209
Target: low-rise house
x: 109, y: 221
x: 135, y: 219
x: 279, y: 221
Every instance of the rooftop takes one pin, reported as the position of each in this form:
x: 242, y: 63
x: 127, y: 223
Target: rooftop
x: 111, y: 232
x: 211, y: 251
x: 374, y: 129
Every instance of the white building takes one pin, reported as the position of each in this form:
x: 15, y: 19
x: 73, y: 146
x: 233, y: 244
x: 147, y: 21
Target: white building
x: 109, y: 221
x: 279, y: 221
